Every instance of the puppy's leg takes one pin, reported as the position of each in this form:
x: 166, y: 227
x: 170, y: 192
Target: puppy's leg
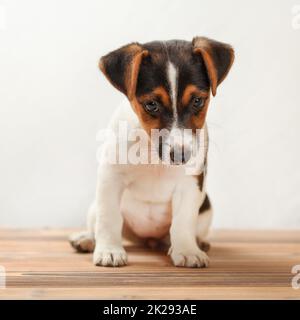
x: 186, y: 201
x: 85, y: 241
x: 203, y: 224
x: 109, y: 221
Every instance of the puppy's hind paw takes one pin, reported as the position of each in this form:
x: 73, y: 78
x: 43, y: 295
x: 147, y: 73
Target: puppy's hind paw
x: 197, y: 259
x: 204, y: 245
x: 112, y: 257
x: 82, y: 242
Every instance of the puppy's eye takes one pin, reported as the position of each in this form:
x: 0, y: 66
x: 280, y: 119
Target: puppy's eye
x: 152, y: 107
x: 197, y: 104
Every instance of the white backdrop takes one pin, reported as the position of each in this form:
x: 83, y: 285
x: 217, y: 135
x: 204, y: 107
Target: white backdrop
x: 53, y: 100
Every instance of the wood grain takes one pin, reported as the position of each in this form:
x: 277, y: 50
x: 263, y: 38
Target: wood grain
x: 40, y: 264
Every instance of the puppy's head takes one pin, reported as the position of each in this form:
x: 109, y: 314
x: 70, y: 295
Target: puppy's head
x: 168, y: 83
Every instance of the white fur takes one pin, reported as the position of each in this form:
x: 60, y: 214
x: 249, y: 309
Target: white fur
x: 153, y: 200
x: 172, y: 78
x: 177, y: 135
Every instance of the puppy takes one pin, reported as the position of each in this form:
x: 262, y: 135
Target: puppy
x: 168, y: 87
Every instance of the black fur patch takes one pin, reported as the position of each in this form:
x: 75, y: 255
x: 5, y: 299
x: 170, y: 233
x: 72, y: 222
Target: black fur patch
x: 201, y: 181
x: 205, y: 205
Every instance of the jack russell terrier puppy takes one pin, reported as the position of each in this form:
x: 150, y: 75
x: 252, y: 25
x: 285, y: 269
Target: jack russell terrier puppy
x: 168, y: 86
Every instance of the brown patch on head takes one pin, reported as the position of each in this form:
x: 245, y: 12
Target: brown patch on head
x: 218, y: 58
x: 159, y: 93
x: 211, y: 69
x: 132, y: 73
x: 163, y: 94
x: 190, y: 91
x: 197, y: 121
x: 121, y: 67
x: 188, y: 117
x: 147, y: 121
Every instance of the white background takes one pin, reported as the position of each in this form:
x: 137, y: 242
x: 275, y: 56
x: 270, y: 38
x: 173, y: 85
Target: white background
x: 53, y: 100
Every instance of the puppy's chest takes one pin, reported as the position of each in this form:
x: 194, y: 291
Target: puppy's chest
x: 153, y: 184
x: 146, y: 202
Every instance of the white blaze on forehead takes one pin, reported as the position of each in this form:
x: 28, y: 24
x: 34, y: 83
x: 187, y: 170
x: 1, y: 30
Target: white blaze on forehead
x: 176, y: 134
x: 172, y: 78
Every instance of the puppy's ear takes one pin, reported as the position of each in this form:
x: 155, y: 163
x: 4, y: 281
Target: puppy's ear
x: 218, y: 58
x: 121, y: 67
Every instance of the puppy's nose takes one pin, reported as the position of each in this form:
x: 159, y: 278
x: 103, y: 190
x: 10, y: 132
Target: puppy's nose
x: 180, y: 155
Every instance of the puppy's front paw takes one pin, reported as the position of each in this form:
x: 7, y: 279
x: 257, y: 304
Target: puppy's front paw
x: 110, y: 257
x: 191, y: 259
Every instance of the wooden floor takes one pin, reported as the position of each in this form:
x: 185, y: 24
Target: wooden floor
x: 40, y: 264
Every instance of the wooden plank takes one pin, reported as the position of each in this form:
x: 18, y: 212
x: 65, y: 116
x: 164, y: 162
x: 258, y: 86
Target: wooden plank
x: 244, y: 264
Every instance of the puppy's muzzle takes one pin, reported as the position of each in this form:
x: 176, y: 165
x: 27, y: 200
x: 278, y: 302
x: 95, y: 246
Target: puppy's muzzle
x: 180, y: 155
